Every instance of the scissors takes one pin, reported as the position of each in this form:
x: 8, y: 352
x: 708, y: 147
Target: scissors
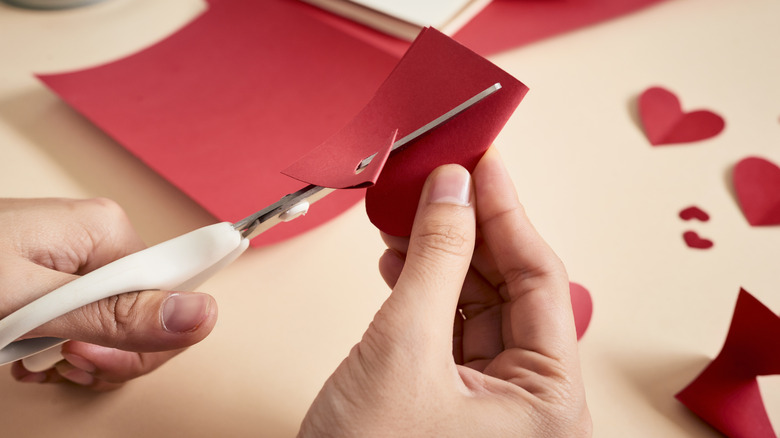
x: 182, y: 263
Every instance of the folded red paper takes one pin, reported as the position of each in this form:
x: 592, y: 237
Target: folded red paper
x: 435, y: 75
x: 726, y: 393
x: 448, y: 73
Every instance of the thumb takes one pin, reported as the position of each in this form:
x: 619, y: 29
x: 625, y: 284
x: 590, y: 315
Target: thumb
x: 424, y: 299
x: 139, y: 321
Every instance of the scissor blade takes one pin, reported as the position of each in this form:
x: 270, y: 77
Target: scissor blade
x: 436, y: 122
x: 279, y: 211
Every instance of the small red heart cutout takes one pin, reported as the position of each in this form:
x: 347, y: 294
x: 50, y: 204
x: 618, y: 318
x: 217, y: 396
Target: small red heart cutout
x: 665, y: 122
x: 694, y: 241
x: 582, y: 305
x: 757, y: 184
x: 694, y: 212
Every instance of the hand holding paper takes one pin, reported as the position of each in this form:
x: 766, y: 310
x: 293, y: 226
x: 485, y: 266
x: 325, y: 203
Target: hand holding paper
x: 511, y: 357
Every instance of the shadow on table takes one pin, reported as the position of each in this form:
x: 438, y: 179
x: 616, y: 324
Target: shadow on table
x: 660, y: 378
x: 140, y: 408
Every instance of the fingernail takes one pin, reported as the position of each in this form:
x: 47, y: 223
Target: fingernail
x: 79, y: 376
x: 184, y: 313
x: 451, y: 185
x: 79, y: 362
x: 34, y: 378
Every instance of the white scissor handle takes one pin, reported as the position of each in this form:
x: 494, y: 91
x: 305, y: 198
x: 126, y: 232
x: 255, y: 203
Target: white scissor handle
x: 181, y: 263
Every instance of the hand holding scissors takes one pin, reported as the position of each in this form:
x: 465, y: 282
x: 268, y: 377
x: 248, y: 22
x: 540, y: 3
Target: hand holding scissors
x: 181, y: 264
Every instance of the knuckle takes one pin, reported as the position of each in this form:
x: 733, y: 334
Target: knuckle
x: 552, y: 268
x: 117, y: 316
x: 444, y: 238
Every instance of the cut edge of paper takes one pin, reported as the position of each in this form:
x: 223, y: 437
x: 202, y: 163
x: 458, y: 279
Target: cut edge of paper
x: 322, y: 168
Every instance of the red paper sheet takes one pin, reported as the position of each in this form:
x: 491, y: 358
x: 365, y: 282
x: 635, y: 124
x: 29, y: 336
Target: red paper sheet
x: 757, y: 184
x: 223, y: 105
x: 726, y: 393
x: 665, y: 122
x: 250, y: 86
x: 504, y: 24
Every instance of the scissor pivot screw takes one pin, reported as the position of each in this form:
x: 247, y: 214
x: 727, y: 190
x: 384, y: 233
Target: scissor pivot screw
x: 295, y: 211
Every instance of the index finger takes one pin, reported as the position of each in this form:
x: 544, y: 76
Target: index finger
x: 539, y: 314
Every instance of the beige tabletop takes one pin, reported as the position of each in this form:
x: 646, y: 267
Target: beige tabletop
x: 602, y: 196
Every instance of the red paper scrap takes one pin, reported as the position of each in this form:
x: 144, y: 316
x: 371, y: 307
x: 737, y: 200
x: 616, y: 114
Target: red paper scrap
x: 757, y: 184
x: 503, y: 24
x: 726, y: 393
x: 582, y: 305
x: 444, y: 74
x: 221, y: 106
x: 665, y: 123
x: 337, y: 163
x: 694, y: 212
x: 693, y: 240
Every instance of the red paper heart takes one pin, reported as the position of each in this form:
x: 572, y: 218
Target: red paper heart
x: 694, y: 212
x: 694, y: 241
x: 757, y: 184
x: 665, y: 122
x: 582, y: 305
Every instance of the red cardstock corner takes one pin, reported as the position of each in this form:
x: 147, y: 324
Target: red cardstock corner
x: 726, y: 393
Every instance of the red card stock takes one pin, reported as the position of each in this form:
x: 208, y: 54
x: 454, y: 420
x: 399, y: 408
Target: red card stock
x: 694, y: 212
x: 582, y: 305
x: 223, y: 105
x: 505, y: 24
x: 726, y: 393
x: 757, y: 184
x: 436, y: 75
x: 665, y: 122
x: 693, y: 240
x: 249, y: 87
